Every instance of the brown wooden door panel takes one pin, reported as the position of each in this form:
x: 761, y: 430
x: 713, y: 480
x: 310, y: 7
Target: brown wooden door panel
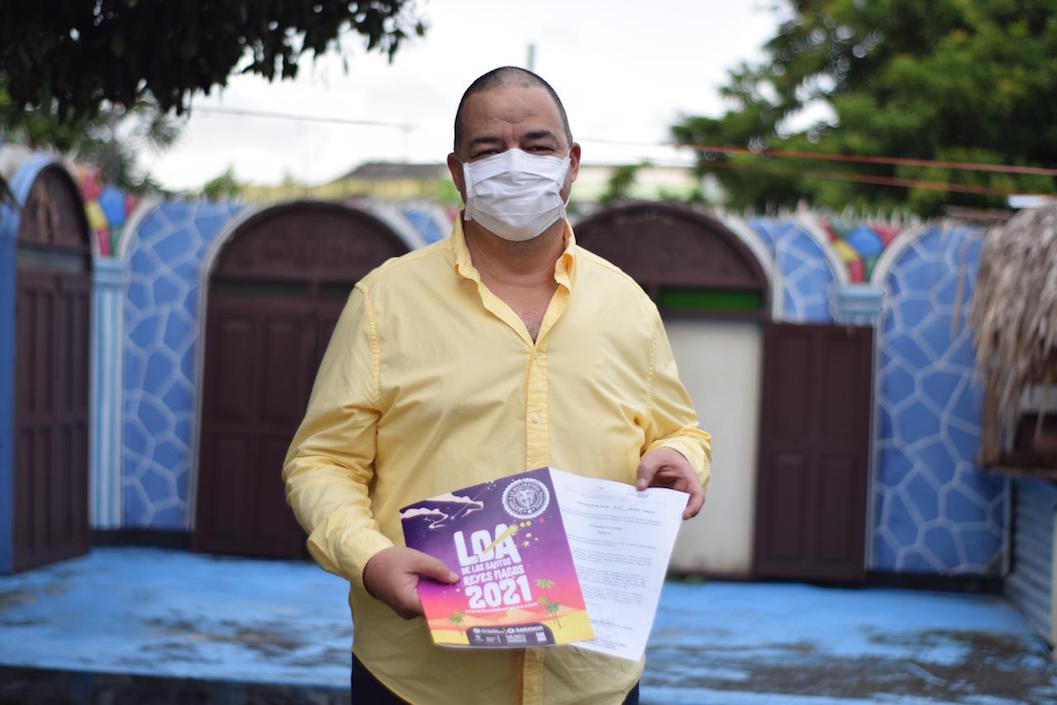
x: 231, y: 394
x: 836, y: 482
x: 814, y: 451
x: 51, y: 417
x: 278, y: 529
x: 784, y: 531
x: 288, y: 351
x: 260, y: 357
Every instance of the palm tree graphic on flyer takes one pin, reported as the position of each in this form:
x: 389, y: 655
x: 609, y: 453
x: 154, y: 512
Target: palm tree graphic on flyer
x: 545, y: 601
x: 456, y: 619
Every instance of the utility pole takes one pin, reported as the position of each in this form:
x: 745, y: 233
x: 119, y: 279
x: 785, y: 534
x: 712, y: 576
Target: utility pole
x: 530, y: 58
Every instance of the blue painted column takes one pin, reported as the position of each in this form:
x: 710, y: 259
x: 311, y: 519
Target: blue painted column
x: 8, y: 232
x: 109, y: 279
x: 856, y: 304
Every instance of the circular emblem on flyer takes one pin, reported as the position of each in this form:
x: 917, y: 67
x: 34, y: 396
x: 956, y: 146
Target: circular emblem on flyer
x: 526, y: 498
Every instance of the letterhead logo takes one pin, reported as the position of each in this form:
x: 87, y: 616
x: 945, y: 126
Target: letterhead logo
x: 526, y: 498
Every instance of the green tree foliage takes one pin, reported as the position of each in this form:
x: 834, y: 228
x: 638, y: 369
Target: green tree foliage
x: 224, y: 186
x: 954, y: 80
x: 75, y: 56
x: 97, y: 80
x: 109, y: 139
x: 618, y: 187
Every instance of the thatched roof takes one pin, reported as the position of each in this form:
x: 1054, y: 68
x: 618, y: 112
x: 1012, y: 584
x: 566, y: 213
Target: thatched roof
x: 1014, y: 313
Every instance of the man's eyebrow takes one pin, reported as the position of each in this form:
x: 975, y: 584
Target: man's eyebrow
x: 539, y: 135
x: 486, y: 139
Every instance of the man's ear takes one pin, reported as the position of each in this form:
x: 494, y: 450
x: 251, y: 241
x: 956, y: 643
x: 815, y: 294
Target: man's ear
x: 455, y: 169
x: 574, y: 161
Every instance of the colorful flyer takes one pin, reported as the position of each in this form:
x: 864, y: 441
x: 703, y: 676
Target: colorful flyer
x: 506, y: 540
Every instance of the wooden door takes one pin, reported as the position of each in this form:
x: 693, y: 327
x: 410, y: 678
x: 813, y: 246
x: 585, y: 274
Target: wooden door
x: 814, y: 453
x: 274, y: 298
x: 259, y: 366
x: 52, y: 309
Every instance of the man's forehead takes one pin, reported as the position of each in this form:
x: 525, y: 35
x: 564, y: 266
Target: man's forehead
x: 512, y: 103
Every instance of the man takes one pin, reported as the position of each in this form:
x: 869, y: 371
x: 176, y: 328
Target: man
x: 501, y: 349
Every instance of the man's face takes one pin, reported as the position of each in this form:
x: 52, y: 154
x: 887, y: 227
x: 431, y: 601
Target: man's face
x: 509, y: 117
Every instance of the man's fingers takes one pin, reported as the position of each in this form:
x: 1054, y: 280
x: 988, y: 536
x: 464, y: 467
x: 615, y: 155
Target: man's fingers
x: 667, y: 468
x: 393, y: 575
x: 645, y: 473
x: 434, y: 568
x: 409, y: 606
x: 694, y: 503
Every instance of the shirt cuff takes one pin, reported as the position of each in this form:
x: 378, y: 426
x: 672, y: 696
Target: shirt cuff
x: 693, y: 452
x: 350, y: 554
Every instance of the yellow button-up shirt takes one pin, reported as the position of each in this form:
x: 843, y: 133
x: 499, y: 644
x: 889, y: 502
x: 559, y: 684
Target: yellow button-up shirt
x: 431, y: 383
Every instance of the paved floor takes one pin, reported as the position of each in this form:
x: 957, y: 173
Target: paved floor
x: 121, y: 619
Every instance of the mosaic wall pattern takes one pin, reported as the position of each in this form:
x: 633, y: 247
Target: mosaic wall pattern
x: 802, y: 264
x: 108, y: 208
x: 161, y: 311
x: 934, y: 512
x: 859, y: 245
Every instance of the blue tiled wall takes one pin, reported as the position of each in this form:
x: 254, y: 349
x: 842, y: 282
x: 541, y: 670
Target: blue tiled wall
x: 161, y: 323
x: 934, y: 512
x: 424, y: 222
x: 802, y: 264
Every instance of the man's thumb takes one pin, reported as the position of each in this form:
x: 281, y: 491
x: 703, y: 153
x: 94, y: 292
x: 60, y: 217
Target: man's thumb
x: 434, y: 568
x: 647, y: 469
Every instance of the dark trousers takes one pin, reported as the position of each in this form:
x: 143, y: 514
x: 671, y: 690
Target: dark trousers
x: 367, y: 690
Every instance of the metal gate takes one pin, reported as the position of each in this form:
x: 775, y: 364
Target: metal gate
x: 1030, y: 582
x: 52, y: 295
x: 275, y: 294
x: 814, y: 452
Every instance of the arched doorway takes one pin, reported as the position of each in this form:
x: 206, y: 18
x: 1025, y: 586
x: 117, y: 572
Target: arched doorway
x: 275, y: 291
x: 714, y: 295
x: 788, y: 404
x: 52, y: 310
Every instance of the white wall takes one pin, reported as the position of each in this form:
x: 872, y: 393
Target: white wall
x: 720, y: 365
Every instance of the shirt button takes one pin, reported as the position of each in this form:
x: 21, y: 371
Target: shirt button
x: 535, y: 418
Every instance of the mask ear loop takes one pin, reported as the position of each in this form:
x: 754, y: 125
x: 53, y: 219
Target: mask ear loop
x: 565, y: 175
x: 467, y: 183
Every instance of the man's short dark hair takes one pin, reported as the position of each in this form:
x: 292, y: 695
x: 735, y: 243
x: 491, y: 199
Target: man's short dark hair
x: 508, y: 76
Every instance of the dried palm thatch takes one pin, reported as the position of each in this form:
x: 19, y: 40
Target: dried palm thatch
x: 1014, y: 314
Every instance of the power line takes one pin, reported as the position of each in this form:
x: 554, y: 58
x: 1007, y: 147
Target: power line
x: 298, y: 117
x: 713, y: 149
x: 823, y: 156
x: 878, y: 180
x: 896, y: 161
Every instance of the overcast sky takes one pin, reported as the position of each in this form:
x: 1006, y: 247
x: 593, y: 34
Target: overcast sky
x: 625, y: 72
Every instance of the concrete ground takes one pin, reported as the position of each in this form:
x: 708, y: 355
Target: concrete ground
x: 133, y: 625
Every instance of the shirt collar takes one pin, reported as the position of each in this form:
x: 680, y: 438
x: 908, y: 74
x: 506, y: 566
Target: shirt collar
x: 564, y: 267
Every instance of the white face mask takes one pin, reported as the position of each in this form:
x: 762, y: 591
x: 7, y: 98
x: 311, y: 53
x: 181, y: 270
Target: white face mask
x: 514, y: 194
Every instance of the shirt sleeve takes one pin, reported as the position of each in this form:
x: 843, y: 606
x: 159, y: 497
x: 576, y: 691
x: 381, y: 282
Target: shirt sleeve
x: 672, y: 420
x: 331, y: 459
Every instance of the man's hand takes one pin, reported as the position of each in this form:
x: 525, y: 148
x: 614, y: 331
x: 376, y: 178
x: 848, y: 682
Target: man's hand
x: 392, y: 576
x: 664, y: 467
